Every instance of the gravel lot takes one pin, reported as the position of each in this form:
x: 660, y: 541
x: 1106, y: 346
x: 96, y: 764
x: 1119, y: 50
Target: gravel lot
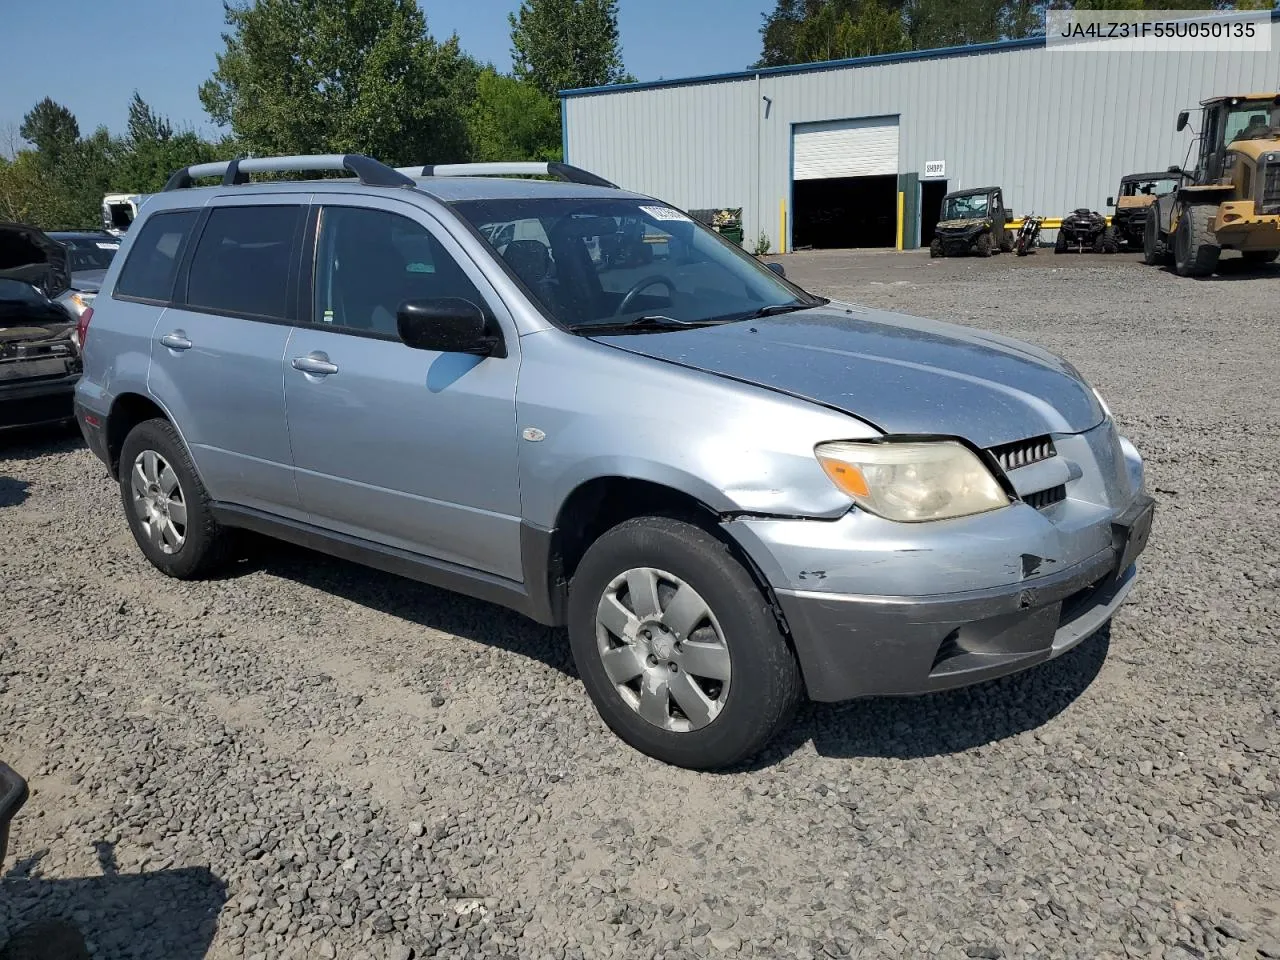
x: 309, y: 759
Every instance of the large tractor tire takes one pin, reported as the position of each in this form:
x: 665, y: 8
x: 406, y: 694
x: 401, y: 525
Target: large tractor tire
x: 1195, y: 248
x: 1259, y: 258
x: 982, y: 246
x: 935, y: 248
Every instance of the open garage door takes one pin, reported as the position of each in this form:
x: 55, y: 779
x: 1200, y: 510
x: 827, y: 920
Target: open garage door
x: 844, y: 192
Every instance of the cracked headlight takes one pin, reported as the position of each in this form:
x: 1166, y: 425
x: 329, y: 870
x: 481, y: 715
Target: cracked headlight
x: 912, y: 481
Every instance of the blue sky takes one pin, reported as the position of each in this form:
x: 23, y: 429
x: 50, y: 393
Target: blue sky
x: 91, y: 54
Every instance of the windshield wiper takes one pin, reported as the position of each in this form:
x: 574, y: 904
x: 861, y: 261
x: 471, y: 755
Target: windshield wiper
x: 649, y: 322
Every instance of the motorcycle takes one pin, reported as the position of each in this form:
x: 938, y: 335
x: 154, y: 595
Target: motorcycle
x: 1028, y: 234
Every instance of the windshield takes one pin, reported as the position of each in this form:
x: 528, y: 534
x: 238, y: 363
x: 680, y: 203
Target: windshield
x: 612, y: 261
x: 968, y: 207
x: 15, y: 291
x: 1154, y: 187
x: 84, y: 253
x: 1252, y: 120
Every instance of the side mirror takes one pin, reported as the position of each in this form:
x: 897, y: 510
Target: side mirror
x: 777, y: 268
x: 1111, y: 201
x: 446, y: 325
x: 1183, y: 118
x: 13, y: 794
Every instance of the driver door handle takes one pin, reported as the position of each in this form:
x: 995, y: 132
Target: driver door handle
x: 317, y: 364
x: 176, y: 341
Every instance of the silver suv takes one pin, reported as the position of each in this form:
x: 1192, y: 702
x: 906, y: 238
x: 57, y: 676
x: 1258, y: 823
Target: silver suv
x: 578, y: 402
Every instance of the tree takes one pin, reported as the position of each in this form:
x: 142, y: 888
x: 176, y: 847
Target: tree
x: 144, y: 124
x: 564, y: 44
x: 512, y: 120
x: 805, y: 31
x: 51, y: 127
x: 335, y: 76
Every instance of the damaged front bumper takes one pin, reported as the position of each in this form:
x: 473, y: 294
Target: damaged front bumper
x: 877, y: 608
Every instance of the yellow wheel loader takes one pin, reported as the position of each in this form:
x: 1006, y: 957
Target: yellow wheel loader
x: 1231, y: 200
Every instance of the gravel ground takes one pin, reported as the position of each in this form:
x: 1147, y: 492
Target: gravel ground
x: 309, y: 759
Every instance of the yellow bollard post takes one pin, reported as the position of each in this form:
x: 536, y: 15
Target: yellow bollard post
x: 782, y: 225
x: 901, y: 202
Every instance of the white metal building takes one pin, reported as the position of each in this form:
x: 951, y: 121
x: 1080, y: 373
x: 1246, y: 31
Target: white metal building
x: 817, y: 154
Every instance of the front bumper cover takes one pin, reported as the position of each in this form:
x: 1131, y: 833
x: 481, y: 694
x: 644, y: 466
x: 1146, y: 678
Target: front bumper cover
x: 852, y: 646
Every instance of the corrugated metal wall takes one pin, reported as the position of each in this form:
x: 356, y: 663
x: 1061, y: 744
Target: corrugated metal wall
x: 1055, y: 129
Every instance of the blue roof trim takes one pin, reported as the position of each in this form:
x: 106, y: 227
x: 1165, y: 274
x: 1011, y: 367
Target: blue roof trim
x: 998, y: 46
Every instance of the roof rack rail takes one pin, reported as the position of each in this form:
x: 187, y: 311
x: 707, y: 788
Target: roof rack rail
x: 370, y: 172
x: 522, y: 168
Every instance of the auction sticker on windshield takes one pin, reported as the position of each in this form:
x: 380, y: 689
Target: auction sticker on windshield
x: 664, y: 213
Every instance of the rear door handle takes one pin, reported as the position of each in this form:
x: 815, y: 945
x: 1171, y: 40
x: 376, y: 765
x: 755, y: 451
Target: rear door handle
x: 317, y: 364
x: 176, y: 341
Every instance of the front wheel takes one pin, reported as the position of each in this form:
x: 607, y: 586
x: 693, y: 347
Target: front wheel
x: 677, y: 646
x: 1195, y: 248
x: 1153, y: 248
x: 166, y: 505
x: 935, y: 248
x: 1060, y: 245
x: 983, y: 245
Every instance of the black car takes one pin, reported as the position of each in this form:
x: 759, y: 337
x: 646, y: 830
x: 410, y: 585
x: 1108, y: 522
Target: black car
x: 89, y: 253
x: 39, y: 360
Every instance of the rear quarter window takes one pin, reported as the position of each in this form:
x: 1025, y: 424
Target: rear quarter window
x: 149, y: 272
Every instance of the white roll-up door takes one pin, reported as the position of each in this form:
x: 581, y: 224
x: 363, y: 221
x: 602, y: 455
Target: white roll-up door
x: 846, y: 148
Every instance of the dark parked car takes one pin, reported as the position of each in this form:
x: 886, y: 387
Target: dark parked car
x: 39, y: 359
x: 89, y: 253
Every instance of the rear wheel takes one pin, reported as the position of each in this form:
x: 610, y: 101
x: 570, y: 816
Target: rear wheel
x: 677, y: 647
x: 1107, y: 243
x: 1006, y: 242
x: 982, y: 246
x: 935, y: 248
x: 1060, y: 245
x: 1153, y: 246
x: 1260, y: 257
x: 1195, y: 249
x: 167, y: 506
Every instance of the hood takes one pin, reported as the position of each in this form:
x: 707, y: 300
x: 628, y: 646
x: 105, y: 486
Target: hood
x: 87, y: 281
x: 962, y: 224
x: 27, y: 254
x: 904, y: 375
x: 1139, y: 202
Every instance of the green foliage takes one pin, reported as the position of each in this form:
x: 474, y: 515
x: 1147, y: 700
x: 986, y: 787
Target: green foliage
x: 563, y: 44
x: 805, y: 31
x: 51, y: 127
x: 512, y: 120
x: 763, y: 245
x: 335, y: 76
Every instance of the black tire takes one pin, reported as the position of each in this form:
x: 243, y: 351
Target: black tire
x: 764, y: 684
x: 1006, y: 242
x: 982, y: 246
x: 1020, y: 248
x: 1107, y: 242
x: 205, y: 545
x: 1153, y: 247
x: 1259, y: 257
x: 935, y: 248
x: 1060, y: 245
x: 1195, y: 248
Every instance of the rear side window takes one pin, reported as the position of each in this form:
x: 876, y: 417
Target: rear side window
x: 153, y: 262
x: 241, y: 263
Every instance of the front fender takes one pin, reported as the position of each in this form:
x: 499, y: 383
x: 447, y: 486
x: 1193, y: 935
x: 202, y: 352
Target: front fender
x: 740, y: 449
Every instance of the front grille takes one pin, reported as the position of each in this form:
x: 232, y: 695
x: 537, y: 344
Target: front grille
x: 1047, y: 498
x: 1271, y: 188
x: 1020, y: 453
